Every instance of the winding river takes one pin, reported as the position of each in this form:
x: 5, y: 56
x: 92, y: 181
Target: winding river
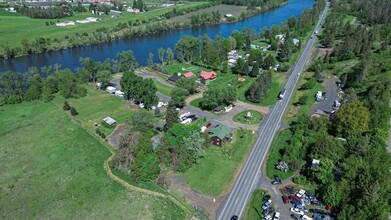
x: 141, y: 46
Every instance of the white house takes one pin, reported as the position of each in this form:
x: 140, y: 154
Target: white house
x: 65, y: 23
x: 109, y: 121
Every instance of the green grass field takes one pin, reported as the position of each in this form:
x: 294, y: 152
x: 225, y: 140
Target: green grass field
x: 14, y: 28
x: 97, y: 105
x: 241, y: 117
x: 165, y: 90
x: 53, y: 169
x: 177, y: 67
x: 196, y: 102
x: 213, y: 174
x: 275, y: 156
x: 254, y: 207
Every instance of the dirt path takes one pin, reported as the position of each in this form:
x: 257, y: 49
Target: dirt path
x: 263, y: 110
x: 193, y: 97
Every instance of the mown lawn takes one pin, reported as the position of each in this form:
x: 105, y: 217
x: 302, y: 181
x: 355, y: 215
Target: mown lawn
x: 196, y: 102
x: 97, y: 105
x: 14, y: 28
x: 275, y: 156
x: 53, y: 169
x: 254, y: 207
x: 177, y: 67
x: 310, y: 93
x: 242, y: 117
x: 213, y: 174
x: 165, y: 90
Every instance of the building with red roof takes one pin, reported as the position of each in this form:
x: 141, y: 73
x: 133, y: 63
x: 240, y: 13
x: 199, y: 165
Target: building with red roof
x: 188, y: 75
x: 208, y: 75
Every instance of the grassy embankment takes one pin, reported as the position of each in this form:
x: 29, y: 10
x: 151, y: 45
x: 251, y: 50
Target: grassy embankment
x: 242, y: 117
x: 15, y: 26
x: 253, y: 208
x: 213, y: 174
x: 52, y: 168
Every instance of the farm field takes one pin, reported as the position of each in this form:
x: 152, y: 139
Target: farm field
x: 14, y: 28
x: 213, y: 174
x: 53, y: 169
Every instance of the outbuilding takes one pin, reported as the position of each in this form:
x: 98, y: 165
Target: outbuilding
x: 173, y: 79
x: 110, y: 121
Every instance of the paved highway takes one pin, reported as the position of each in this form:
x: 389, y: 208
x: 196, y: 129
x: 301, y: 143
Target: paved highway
x: 235, y: 202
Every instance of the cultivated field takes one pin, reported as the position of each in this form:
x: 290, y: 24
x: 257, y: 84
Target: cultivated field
x: 53, y: 169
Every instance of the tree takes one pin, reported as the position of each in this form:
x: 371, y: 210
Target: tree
x: 160, y: 53
x: 150, y: 59
x: 309, y: 84
x: 330, y: 194
x: 269, y: 62
x: 35, y: 86
x: 172, y: 116
x: 303, y: 100
x: 69, y: 85
x: 125, y: 61
x: 187, y: 83
x: 104, y: 77
x: 66, y: 106
x: 73, y: 111
x: 142, y: 120
x: 169, y: 55
x: 218, y: 96
x: 178, y: 96
x: 258, y: 90
x: 187, y: 49
x: 91, y: 66
x: 351, y: 118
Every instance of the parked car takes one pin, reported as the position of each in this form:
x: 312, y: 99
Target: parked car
x: 276, y: 216
x: 316, y: 202
x: 267, y: 204
x: 318, y: 211
x: 300, y: 193
x: 277, y: 178
x: 266, y: 198
x: 268, y: 217
x: 294, y: 198
x: 304, y: 217
x: 297, y: 211
x: 295, y: 217
x: 317, y: 217
x: 285, y: 199
x: 302, y: 208
x: 275, y: 182
x: 234, y: 217
x: 268, y: 211
x: 296, y: 202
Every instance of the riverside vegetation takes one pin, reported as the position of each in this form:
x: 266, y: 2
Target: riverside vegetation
x: 126, y: 25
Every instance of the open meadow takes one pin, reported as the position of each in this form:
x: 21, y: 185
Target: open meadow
x: 51, y: 168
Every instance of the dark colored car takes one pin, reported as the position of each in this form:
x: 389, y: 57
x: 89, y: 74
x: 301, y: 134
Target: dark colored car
x: 285, y: 199
x: 208, y: 125
x: 296, y: 202
x: 318, y: 211
x: 234, y: 217
x: 277, y: 178
x: 268, y: 211
x: 295, y: 217
x: 159, y: 129
x: 266, y: 198
x: 317, y: 217
x: 316, y: 202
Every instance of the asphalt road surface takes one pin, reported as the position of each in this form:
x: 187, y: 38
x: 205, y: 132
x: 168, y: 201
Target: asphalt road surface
x: 235, y: 201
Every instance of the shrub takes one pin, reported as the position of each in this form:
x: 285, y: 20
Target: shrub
x: 301, y: 180
x: 73, y: 111
x: 100, y: 133
x: 66, y: 106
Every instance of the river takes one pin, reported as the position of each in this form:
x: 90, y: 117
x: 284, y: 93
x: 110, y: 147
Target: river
x: 141, y: 46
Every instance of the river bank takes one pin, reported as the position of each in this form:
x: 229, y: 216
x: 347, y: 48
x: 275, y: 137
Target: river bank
x: 98, y: 33
x: 142, y: 46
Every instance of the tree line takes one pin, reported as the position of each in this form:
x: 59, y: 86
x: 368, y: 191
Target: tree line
x: 351, y: 145
x: 43, y: 84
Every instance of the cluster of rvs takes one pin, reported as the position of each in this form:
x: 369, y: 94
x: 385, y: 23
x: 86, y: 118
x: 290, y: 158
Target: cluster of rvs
x: 187, y: 118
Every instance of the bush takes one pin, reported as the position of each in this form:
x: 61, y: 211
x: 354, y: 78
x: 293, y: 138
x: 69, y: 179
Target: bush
x: 301, y: 180
x: 14, y: 99
x: 73, y: 111
x: 100, y: 133
x: 66, y: 106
